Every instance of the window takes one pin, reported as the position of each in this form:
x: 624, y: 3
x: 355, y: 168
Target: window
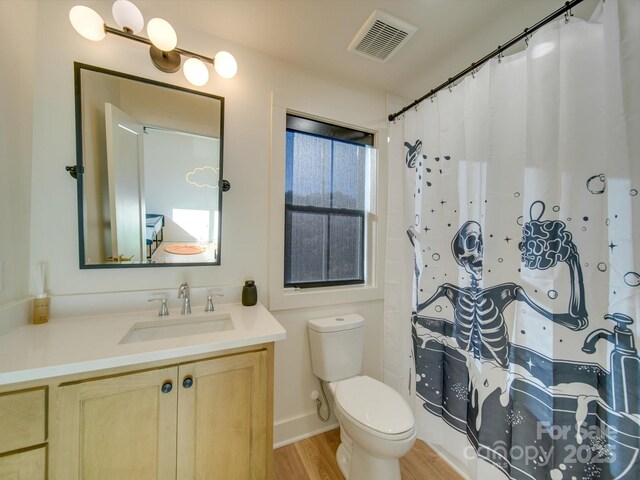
x: 326, y: 200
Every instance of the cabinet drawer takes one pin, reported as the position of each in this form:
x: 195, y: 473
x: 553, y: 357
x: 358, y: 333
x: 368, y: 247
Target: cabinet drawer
x: 29, y: 465
x: 22, y: 419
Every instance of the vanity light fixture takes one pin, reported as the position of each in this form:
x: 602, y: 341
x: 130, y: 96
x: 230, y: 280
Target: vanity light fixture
x: 162, y: 41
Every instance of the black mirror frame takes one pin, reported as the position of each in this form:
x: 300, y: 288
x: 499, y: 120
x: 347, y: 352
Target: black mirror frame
x: 77, y: 170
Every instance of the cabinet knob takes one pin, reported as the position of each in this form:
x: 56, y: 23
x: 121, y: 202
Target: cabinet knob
x: 166, y: 387
x: 187, y: 382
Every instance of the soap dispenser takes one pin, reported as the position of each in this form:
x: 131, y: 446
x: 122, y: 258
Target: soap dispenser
x: 249, y: 293
x: 41, y: 302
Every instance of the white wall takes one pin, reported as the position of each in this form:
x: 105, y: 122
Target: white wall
x: 17, y: 27
x: 446, y: 61
x: 168, y: 158
x: 245, y: 224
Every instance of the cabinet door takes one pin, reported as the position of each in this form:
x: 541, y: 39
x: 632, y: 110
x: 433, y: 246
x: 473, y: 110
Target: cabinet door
x: 122, y: 427
x: 222, y: 419
x: 29, y: 465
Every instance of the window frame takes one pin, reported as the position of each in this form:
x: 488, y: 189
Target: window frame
x: 358, y: 115
x: 367, y: 141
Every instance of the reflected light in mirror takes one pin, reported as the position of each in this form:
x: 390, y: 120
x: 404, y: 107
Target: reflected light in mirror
x: 87, y: 23
x: 194, y: 222
x: 127, y: 129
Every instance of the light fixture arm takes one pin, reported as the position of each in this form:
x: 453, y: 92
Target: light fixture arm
x: 146, y: 41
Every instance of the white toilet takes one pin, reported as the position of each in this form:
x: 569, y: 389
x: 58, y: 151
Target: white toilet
x: 377, y: 426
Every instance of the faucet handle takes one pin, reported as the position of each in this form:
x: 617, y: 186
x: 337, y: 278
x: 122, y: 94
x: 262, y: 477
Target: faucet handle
x: 164, y: 310
x: 210, y: 307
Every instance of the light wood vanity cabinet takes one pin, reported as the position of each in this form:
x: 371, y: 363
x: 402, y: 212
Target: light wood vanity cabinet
x: 23, y: 434
x: 222, y: 419
x: 118, y: 427
x: 208, y: 419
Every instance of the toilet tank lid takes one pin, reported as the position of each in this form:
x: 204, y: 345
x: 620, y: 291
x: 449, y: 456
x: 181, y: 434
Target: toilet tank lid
x: 337, y: 323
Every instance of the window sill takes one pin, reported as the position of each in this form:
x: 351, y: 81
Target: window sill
x: 289, y: 298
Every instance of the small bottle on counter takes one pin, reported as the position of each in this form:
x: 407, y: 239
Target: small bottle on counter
x: 249, y: 293
x: 41, y: 308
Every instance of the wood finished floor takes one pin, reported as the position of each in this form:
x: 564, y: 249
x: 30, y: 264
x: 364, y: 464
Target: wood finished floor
x: 315, y: 459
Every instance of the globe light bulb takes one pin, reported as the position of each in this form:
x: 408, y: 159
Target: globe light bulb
x: 196, y: 72
x: 127, y: 16
x: 87, y: 22
x: 162, y: 34
x: 225, y: 64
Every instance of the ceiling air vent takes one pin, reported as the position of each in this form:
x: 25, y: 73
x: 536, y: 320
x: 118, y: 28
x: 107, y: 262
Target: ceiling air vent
x: 381, y: 36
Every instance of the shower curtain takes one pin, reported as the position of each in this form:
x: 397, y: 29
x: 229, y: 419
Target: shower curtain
x: 513, y: 258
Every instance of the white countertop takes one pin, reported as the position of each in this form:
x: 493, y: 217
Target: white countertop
x: 83, y: 344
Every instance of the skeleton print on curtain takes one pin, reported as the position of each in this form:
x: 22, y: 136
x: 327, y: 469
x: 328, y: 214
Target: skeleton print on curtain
x: 526, y: 292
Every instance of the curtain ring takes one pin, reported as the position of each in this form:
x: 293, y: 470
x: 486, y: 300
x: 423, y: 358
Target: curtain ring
x: 473, y: 70
x: 567, y: 16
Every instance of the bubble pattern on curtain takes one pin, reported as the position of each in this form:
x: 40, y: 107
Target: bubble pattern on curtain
x: 521, y: 198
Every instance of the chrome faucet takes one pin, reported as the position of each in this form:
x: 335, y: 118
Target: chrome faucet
x: 183, y: 293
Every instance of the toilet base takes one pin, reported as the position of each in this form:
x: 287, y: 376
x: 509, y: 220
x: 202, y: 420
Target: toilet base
x: 356, y: 464
x: 344, y: 460
x: 367, y: 467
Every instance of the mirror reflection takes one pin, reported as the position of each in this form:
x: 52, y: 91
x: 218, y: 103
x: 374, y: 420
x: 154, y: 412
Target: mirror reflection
x: 150, y: 164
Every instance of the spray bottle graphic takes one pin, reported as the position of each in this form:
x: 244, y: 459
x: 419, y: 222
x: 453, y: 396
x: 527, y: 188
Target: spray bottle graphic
x: 625, y: 363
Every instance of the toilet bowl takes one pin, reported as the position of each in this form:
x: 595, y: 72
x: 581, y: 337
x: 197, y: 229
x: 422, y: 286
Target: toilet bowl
x: 377, y: 427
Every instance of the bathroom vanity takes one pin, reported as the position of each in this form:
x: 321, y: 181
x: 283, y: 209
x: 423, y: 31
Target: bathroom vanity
x: 135, y: 396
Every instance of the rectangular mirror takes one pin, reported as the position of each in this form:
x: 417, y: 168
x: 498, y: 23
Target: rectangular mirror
x: 149, y: 171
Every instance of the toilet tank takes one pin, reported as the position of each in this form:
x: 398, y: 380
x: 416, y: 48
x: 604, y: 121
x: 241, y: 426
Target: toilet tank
x: 336, y: 346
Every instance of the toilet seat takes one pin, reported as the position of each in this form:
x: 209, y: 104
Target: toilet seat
x: 374, y: 407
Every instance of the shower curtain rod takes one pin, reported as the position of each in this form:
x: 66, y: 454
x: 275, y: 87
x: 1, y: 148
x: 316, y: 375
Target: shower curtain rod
x: 501, y: 48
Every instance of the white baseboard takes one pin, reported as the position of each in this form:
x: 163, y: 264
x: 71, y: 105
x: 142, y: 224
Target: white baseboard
x: 452, y: 463
x: 14, y: 314
x: 295, y: 429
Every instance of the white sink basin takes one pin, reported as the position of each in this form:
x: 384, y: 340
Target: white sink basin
x: 178, y: 327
